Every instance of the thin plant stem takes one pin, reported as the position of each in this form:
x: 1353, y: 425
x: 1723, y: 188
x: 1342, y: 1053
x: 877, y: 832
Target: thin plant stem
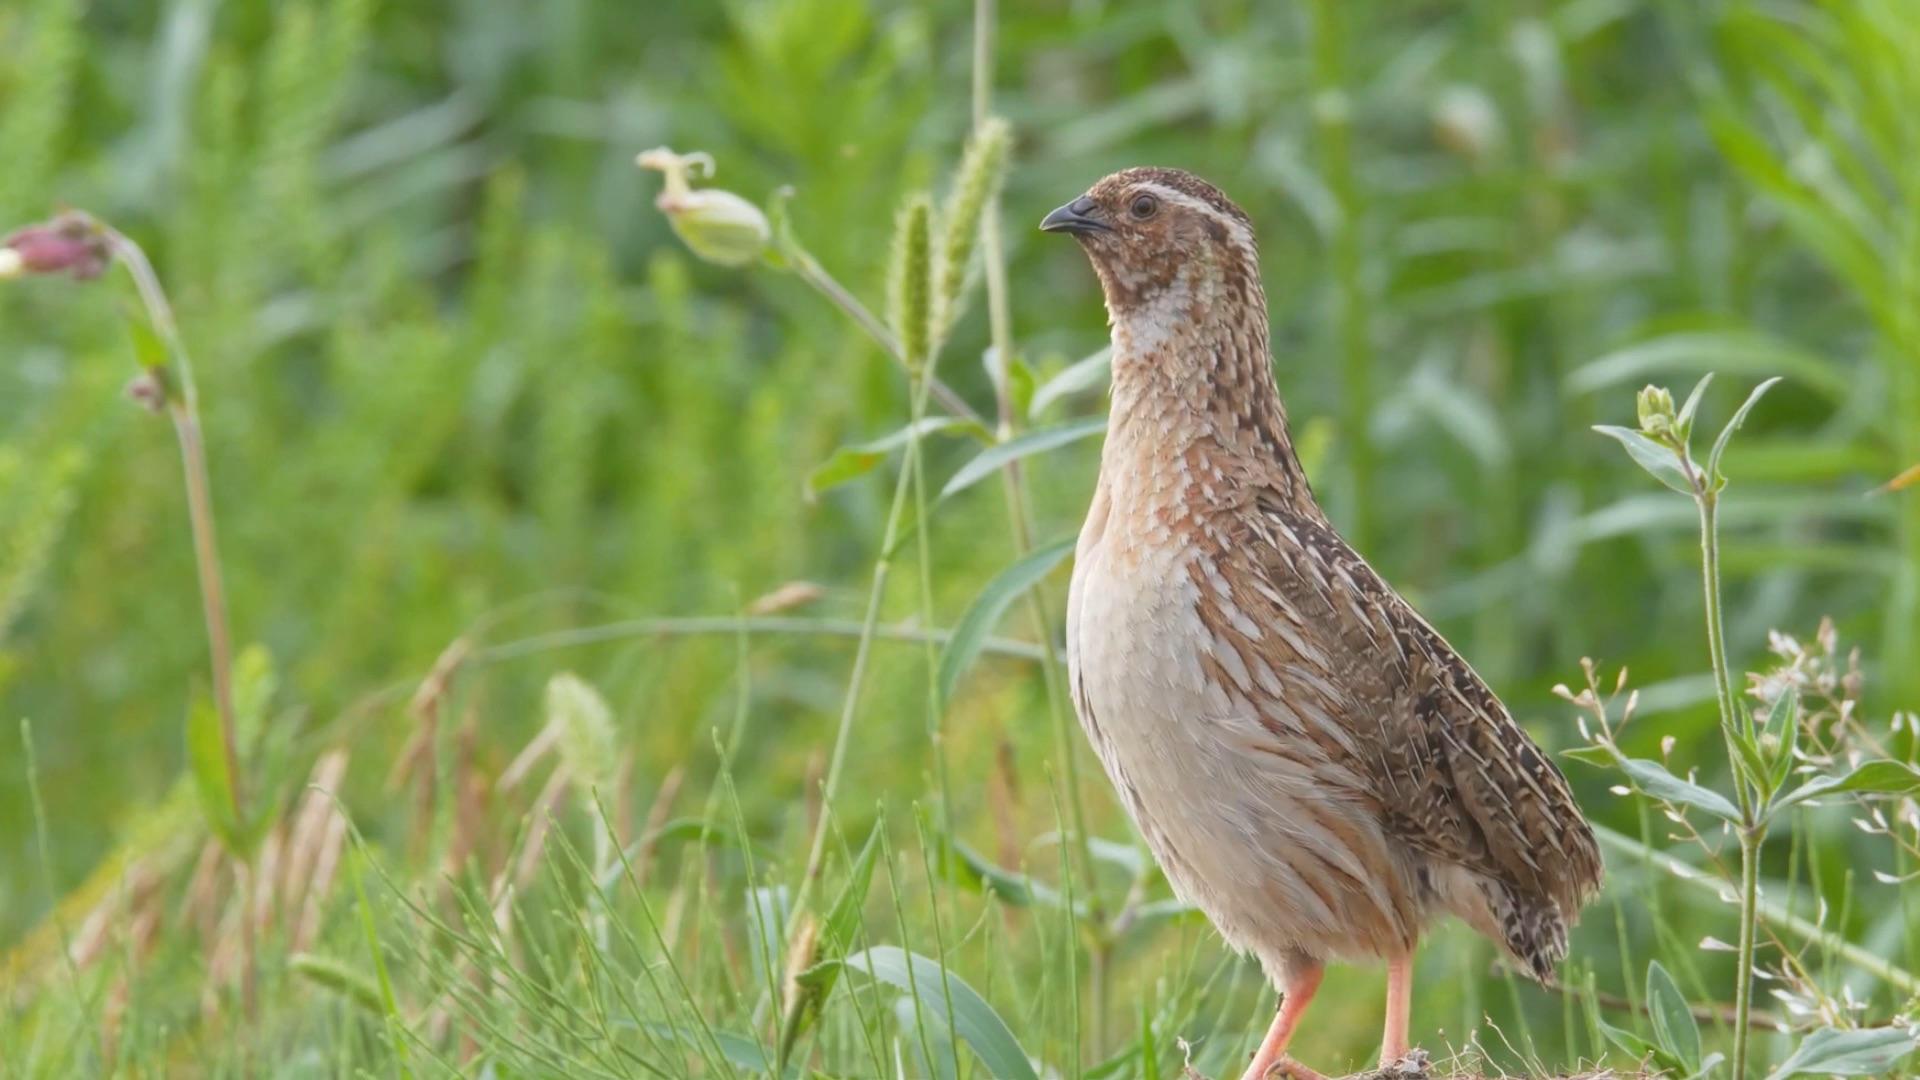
x: 1000, y: 323
x: 850, y: 707
x: 1752, y: 828
x: 936, y: 703
x: 1334, y: 127
x: 1777, y: 915
x: 816, y: 275
x: 1749, y: 924
x: 183, y: 408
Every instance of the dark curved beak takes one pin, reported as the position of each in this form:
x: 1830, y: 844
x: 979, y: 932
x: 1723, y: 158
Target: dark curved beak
x: 1079, y: 217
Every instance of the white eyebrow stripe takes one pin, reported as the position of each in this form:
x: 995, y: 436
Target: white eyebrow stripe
x: 1237, y: 229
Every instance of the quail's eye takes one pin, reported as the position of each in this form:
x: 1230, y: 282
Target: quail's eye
x: 1143, y: 207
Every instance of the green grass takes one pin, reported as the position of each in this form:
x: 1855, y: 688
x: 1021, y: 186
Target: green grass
x: 459, y: 382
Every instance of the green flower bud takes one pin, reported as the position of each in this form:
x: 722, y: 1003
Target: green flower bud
x: 718, y: 226
x: 1655, y: 405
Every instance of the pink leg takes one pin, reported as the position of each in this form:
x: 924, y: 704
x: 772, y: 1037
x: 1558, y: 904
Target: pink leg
x: 1393, y: 1045
x: 1273, y: 1049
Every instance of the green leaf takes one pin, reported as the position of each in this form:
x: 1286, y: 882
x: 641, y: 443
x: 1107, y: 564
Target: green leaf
x: 769, y: 910
x: 207, y: 759
x: 739, y: 1050
x: 1683, y: 420
x: 1653, y: 778
x: 148, y: 350
x: 977, y: 1024
x: 1733, y: 425
x: 254, y: 684
x: 679, y: 829
x: 1783, y: 723
x: 1739, y: 351
x: 1673, y: 1024
x: 1748, y: 761
x: 994, y: 457
x: 1629, y: 1042
x: 338, y: 977
x: 971, y: 632
x: 836, y: 936
x: 1840, y: 1052
x: 843, y: 919
x: 1660, y: 462
x: 1081, y: 375
x: 852, y: 462
x: 1874, y: 777
x: 976, y: 871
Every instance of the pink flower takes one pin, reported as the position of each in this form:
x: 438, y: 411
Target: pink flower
x: 69, y: 244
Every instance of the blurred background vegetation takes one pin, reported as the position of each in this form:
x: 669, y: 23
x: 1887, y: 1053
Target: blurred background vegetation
x: 459, y: 380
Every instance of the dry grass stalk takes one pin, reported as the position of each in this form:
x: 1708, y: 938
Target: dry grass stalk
x: 310, y: 824
x: 794, y: 594
x: 656, y: 819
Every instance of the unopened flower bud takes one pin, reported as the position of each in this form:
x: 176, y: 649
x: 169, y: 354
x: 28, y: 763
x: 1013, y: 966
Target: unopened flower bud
x: 69, y: 244
x: 147, y: 391
x: 1467, y: 124
x: 719, y: 226
x: 1655, y: 404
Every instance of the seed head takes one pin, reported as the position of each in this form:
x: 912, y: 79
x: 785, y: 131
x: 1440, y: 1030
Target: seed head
x: 588, y: 746
x: 717, y: 225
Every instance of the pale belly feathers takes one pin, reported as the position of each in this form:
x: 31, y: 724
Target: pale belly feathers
x: 1272, y: 846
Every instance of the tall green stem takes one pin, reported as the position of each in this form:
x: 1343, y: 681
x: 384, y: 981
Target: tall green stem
x: 183, y: 406
x: 1752, y: 828
x: 1333, y: 120
x: 1708, y: 501
x: 1749, y: 925
x: 1000, y: 323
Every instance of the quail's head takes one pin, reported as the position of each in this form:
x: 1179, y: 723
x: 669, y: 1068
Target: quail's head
x: 1162, y: 235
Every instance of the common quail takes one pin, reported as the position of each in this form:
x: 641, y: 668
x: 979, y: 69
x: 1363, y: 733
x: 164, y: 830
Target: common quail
x: 1312, y: 765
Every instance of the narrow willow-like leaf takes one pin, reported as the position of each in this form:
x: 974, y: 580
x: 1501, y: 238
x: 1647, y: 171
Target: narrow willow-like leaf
x: 1083, y: 374
x: 1874, y: 777
x: 854, y: 461
x: 975, y: 1021
x: 1683, y: 420
x: 1654, y: 779
x: 1660, y: 462
x: 1673, y: 1024
x: 1033, y: 442
x: 1736, y: 351
x: 971, y: 633
x: 1839, y: 1052
x: 1733, y: 425
x: 207, y: 760
x: 975, y: 870
x: 737, y: 1049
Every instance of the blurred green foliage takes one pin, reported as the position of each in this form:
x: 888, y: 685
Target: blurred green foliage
x: 460, y: 379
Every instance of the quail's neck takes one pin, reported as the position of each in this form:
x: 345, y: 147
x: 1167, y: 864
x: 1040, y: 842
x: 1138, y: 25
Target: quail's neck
x: 1194, y: 398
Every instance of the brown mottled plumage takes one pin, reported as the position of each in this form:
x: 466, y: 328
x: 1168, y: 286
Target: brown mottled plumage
x: 1310, y: 762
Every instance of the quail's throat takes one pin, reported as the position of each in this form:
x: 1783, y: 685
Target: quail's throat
x: 1193, y: 376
